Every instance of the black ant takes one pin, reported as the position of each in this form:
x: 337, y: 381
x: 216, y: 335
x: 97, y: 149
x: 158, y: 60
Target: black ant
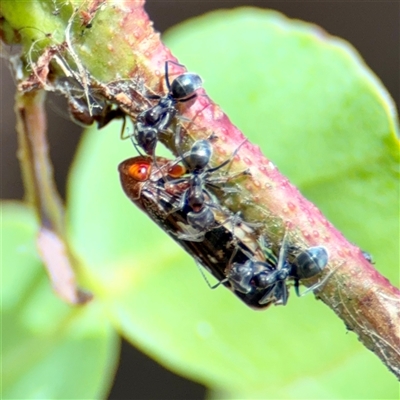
x: 200, y: 202
x: 156, y: 119
x: 266, y: 280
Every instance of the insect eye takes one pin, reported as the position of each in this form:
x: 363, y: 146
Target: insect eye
x: 176, y: 171
x: 139, y: 171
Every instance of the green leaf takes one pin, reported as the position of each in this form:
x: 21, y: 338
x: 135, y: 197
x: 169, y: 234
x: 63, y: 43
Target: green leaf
x: 316, y: 111
x: 18, y: 227
x: 34, y: 19
x: 49, y: 350
x: 325, y: 120
x: 42, y: 23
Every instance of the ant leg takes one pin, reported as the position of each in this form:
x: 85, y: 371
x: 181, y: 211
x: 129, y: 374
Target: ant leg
x: 122, y: 133
x: 308, y: 290
x: 153, y: 97
x: 191, y: 237
x: 181, y: 156
x: 237, y: 222
x: 174, y: 62
x: 135, y: 145
x: 180, y: 205
x: 283, y: 296
x: 166, y: 121
x: 317, y: 285
x: 200, y: 268
x: 130, y: 136
x: 270, y: 296
x: 234, y: 252
x: 192, y: 120
x: 213, y: 182
x: 229, y: 160
x: 282, y: 252
x: 297, y: 288
x: 219, y: 283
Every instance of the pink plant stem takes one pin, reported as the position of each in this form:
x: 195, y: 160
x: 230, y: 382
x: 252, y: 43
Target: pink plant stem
x: 366, y: 301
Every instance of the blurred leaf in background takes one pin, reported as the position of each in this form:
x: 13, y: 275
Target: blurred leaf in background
x: 49, y: 350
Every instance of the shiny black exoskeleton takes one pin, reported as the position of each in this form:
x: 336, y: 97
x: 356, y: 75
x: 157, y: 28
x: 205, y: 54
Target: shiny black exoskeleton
x: 199, y: 201
x: 232, y: 251
x: 266, y: 281
x: 201, y: 217
x: 234, y: 242
x: 158, y: 118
